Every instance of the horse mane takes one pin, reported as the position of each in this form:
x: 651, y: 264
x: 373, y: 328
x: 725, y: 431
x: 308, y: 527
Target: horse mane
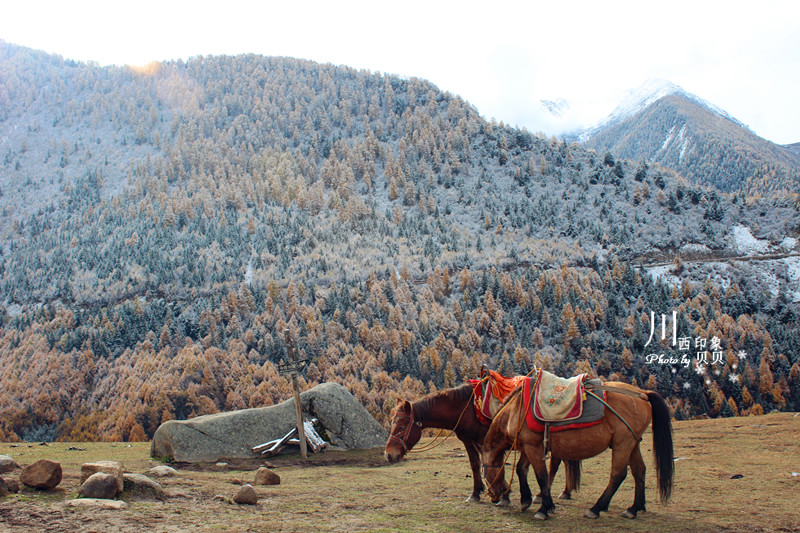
x: 424, y: 405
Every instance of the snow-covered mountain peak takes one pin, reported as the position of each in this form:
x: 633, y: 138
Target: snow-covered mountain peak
x: 645, y: 95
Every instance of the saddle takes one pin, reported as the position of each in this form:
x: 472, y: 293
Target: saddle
x: 559, y: 403
x: 491, y: 392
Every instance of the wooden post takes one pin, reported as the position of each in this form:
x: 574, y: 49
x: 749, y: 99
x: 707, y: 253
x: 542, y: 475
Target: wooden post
x: 298, y: 406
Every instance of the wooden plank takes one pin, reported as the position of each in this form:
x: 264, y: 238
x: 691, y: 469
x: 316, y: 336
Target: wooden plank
x: 298, y: 407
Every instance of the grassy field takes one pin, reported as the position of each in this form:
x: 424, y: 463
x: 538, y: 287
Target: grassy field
x: 732, y: 474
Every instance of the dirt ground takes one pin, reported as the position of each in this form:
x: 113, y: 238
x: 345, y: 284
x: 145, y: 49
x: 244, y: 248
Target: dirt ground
x: 732, y: 474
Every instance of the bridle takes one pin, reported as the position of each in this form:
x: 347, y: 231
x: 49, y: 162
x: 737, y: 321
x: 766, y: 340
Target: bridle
x: 403, y: 431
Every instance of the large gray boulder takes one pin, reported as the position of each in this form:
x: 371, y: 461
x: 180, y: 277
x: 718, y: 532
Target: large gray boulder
x: 344, y: 420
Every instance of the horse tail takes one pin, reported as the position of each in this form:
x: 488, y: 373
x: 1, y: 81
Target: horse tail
x: 662, y: 445
x: 573, y: 469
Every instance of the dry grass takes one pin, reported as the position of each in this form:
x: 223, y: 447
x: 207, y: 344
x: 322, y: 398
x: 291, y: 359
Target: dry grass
x: 358, y: 491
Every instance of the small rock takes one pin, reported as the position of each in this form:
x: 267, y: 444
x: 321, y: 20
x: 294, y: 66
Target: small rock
x: 7, y: 464
x: 97, y: 503
x: 141, y: 486
x: 99, y: 485
x: 265, y: 476
x: 221, y: 465
x: 246, y: 495
x: 737, y: 476
x: 44, y: 474
x: 162, y: 471
x: 106, y: 467
x: 13, y: 485
x: 221, y: 498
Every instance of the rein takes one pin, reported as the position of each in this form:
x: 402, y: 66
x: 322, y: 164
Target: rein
x: 524, y: 410
x: 637, y: 437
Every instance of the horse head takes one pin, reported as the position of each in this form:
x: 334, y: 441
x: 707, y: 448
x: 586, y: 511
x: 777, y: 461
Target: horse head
x: 404, y: 434
x: 496, y: 481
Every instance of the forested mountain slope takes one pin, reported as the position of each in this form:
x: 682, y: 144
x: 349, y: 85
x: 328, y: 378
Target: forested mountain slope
x: 163, y: 226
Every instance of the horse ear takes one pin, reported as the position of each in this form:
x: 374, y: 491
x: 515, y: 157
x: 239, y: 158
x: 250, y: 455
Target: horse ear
x: 405, y: 406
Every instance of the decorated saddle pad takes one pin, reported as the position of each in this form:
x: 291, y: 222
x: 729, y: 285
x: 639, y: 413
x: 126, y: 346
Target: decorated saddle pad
x: 556, y: 398
x: 491, y: 393
x: 591, y: 409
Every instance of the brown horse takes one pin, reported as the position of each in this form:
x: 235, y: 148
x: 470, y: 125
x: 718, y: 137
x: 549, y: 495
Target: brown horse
x: 637, y: 410
x: 451, y: 409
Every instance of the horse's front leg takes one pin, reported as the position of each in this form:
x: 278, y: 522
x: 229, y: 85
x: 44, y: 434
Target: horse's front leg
x: 534, y: 455
x: 475, y: 463
x: 554, y: 464
x: 525, y: 496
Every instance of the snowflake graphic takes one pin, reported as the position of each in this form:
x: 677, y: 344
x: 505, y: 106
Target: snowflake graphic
x: 687, y: 385
x: 742, y: 354
x: 734, y: 378
x: 700, y: 369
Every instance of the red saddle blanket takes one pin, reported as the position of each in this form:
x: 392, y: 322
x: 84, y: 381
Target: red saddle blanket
x: 562, y: 402
x: 491, y: 393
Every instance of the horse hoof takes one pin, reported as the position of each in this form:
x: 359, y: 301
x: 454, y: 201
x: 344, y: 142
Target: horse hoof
x: 537, y: 499
x: 591, y: 514
x: 473, y: 499
x: 565, y: 496
x: 524, y: 506
x: 540, y: 516
x: 503, y: 503
x: 627, y: 514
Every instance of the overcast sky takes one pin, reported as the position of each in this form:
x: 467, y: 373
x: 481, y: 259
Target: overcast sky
x: 501, y: 56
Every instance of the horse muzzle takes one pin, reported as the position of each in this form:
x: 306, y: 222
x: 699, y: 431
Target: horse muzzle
x: 393, y: 456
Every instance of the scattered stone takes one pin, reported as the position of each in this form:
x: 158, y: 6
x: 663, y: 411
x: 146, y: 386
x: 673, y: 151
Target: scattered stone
x: 7, y: 464
x: 44, y: 474
x: 13, y: 485
x: 97, y: 503
x: 221, y: 465
x: 142, y: 487
x: 246, y: 495
x: 737, y: 476
x: 99, y: 485
x: 106, y: 467
x: 221, y: 498
x: 162, y: 471
x: 265, y: 476
x: 74, y: 449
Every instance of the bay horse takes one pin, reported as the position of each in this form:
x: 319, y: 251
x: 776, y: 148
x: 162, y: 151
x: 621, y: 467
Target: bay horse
x: 637, y: 407
x: 452, y: 409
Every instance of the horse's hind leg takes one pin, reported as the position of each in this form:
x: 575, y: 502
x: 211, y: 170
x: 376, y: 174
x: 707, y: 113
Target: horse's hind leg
x: 475, y: 463
x: 638, y: 470
x: 619, y: 470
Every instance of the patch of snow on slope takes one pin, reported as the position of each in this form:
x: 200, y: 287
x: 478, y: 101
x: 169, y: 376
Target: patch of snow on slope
x: 745, y: 243
x: 788, y: 243
x: 793, y: 273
